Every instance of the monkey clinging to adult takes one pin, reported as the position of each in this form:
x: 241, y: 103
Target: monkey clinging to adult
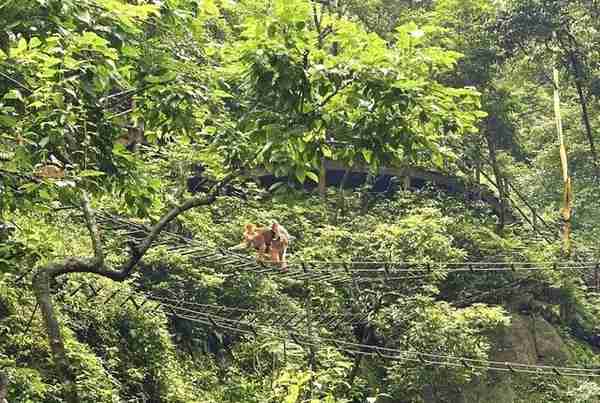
x: 271, y: 242
x: 279, y: 244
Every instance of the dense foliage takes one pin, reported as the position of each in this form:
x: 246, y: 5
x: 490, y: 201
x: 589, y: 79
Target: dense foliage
x: 166, y: 113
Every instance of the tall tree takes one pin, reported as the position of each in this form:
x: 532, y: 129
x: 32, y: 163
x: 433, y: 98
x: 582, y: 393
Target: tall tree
x: 380, y: 103
x: 545, y: 30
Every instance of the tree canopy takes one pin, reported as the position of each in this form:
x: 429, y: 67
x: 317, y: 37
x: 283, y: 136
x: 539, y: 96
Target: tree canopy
x: 137, y: 138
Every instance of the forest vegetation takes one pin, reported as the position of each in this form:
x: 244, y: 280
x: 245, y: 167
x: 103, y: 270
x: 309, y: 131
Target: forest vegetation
x: 434, y: 162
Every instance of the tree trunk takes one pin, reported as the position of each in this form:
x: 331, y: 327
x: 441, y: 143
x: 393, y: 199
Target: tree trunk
x: 64, y: 372
x: 588, y: 128
x: 565, y: 211
x: 323, y: 180
x: 499, y: 180
x: 584, y: 112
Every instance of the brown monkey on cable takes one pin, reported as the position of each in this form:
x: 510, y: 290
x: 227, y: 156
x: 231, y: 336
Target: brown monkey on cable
x: 258, y: 238
x: 267, y: 241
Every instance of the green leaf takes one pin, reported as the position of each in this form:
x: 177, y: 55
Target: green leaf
x: 89, y: 172
x: 437, y: 159
x: 312, y: 176
x: 168, y: 76
x: 209, y: 8
x: 14, y: 94
x: 91, y: 38
x: 368, y: 155
x: 130, y: 51
x: 265, y: 149
x: 21, y: 46
x: 34, y: 42
x: 8, y: 121
x: 43, y: 142
x: 300, y: 174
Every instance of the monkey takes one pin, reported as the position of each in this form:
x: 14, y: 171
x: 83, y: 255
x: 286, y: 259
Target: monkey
x: 271, y: 242
x: 249, y: 233
x: 53, y: 169
x: 199, y: 182
x: 279, y: 244
x: 255, y: 237
x: 260, y: 239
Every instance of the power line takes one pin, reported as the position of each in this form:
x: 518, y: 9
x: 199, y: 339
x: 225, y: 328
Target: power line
x: 335, y: 272
x: 410, y: 355
x: 389, y: 353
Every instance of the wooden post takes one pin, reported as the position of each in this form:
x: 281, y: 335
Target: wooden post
x: 565, y: 211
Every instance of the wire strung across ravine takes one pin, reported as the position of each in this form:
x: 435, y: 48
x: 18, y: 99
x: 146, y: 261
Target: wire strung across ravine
x: 327, y: 271
x: 281, y: 327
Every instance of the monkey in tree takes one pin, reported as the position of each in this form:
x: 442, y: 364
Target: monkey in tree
x: 260, y: 239
x: 50, y: 171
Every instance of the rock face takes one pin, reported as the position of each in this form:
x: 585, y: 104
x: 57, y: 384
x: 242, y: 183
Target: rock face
x: 529, y: 340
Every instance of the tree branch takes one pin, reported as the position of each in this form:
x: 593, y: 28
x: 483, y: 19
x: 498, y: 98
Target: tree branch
x: 334, y: 93
x: 92, y: 226
x: 41, y: 280
x: 96, y: 264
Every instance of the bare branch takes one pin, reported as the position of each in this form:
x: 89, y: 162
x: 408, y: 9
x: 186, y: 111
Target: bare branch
x: 90, y: 221
x: 18, y: 83
x: 139, y: 252
x: 167, y: 218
